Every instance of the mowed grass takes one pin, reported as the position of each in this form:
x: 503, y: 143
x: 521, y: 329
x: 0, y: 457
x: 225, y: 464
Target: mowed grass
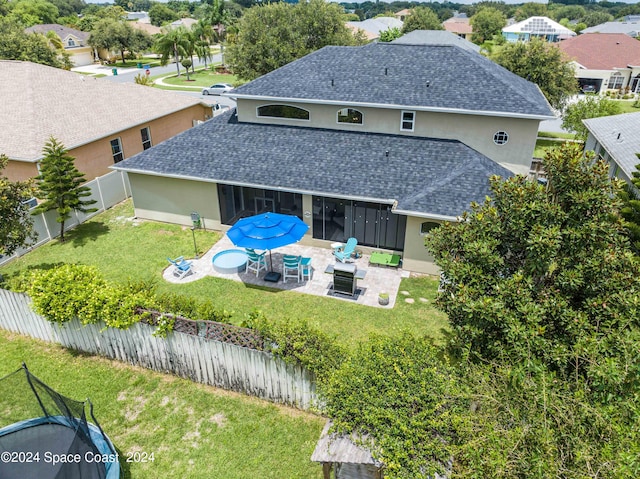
x: 201, y: 78
x: 193, y: 431
x: 127, y: 250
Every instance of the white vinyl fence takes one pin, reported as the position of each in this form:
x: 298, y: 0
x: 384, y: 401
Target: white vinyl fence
x: 107, y: 190
x: 206, y: 361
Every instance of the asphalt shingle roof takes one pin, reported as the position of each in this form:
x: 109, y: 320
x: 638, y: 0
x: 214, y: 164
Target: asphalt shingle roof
x: 436, y: 37
x: 602, y: 51
x: 426, y: 176
x: 619, y: 135
x: 40, y: 101
x: 631, y: 28
x: 397, y: 74
x: 62, y: 31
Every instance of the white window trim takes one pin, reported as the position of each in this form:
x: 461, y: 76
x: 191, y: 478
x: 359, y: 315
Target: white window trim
x: 149, y: 135
x: 338, y: 122
x: 281, y: 117
x: 121, y: 152
x: 402, y: 120
x: 498, y: 133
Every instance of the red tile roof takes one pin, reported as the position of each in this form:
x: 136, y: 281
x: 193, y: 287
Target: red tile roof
x: 602, y: 51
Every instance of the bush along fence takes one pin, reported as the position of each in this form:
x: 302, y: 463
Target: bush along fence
x: 202, y: 351
x: 108, y: 190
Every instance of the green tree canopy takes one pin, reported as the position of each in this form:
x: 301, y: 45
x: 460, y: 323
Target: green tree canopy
x: 486, y: 23
x: 118, y: 35
x: 543, y: 64
x: 16, y: 227
x: 630, y: 196
x: 593, y: 18
x: 173, y: 43
x: 421, y: 18
x: 531, y: 9
x: 270, y: 36
x: 404, y: 399
x: 59, y: 185
x: 591, y: 106
x: 33, y: 12
x: 15, y: 44
x: 390, y: 34
x: 543, y: 276
x: 160, y: 14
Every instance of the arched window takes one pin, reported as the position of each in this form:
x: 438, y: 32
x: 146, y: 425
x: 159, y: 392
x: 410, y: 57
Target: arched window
x: 349, y: 115
x: 71, y: 42
x: 283, y: 111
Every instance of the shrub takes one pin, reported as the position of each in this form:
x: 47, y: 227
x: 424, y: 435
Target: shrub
x: 297, y: 341
x: 65, y: 292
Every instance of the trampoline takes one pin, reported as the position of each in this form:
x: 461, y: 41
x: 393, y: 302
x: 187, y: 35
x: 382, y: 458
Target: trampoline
x: 58, y: 444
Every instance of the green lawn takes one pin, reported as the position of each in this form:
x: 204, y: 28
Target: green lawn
x: 201, y: 78
x: 627, y: 106
x: 193, y: 431
x: 127, y: 250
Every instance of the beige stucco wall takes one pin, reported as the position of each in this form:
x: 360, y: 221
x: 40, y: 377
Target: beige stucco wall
x: 19, y: 170
x: 416, y: 257
x: 94, y: 159
x: 472, y: 130
x: 172, y: 200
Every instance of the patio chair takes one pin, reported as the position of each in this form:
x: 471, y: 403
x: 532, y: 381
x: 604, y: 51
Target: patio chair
x: 181, y: 267
x: 305, y: 269
x: 256, y: 262
x: 344, y: 255
x: 290, y: 267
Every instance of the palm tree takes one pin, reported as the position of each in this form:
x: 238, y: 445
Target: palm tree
x: 203, y: 32
x: 56, y: 44
x: 219, y: 19
x: 173, y: 43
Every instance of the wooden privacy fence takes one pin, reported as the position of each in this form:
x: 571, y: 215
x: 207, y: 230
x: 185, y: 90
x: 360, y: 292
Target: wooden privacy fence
x: 207, y: 361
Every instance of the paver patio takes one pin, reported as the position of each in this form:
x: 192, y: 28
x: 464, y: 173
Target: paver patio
x: 376, y: 280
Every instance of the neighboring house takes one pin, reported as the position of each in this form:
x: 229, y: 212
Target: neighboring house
x: 374, y: 26
x: 607, y: 61
x: 381, y: 142
x: 459, y: 25
x: 100, y: 122
x: 537, y: 27
x: 142, y: 17
x: 403, y: 14
x: 436, y: 37
x: 183, y: 22
x: 631, y: 28
x: 147, y: 27
x: 615, y: 139
x: 75, y: 42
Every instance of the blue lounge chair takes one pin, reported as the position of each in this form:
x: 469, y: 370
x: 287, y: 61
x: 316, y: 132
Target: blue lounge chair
x: 344, y: 255
x: 255, y: 262
x: 305, y: 269
x: 181, y: 267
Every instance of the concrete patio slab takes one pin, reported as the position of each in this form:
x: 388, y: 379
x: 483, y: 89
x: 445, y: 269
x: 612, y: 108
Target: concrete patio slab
x: 377, y: 279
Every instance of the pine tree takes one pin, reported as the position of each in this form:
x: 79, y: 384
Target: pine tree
x: 59, y: 185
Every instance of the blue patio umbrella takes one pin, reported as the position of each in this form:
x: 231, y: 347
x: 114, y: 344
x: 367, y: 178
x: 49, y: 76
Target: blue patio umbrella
x: 267, y: 231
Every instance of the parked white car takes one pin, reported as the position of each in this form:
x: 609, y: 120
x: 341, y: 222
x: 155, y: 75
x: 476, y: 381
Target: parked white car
x: 217, y: 89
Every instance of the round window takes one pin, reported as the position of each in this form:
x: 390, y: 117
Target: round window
x: 500, y: 138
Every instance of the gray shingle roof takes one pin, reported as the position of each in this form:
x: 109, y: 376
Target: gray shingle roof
x: 436, y: 37
x: 425, y: 176
x: 62, y: 31
x: 619, y: 135
x: 631, y: 28
x: 40, y: 101
x: 397, y: 74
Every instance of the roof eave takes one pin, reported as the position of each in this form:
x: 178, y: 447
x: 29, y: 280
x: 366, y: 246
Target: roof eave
x: 458, y: 111
x: 254, y: 185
